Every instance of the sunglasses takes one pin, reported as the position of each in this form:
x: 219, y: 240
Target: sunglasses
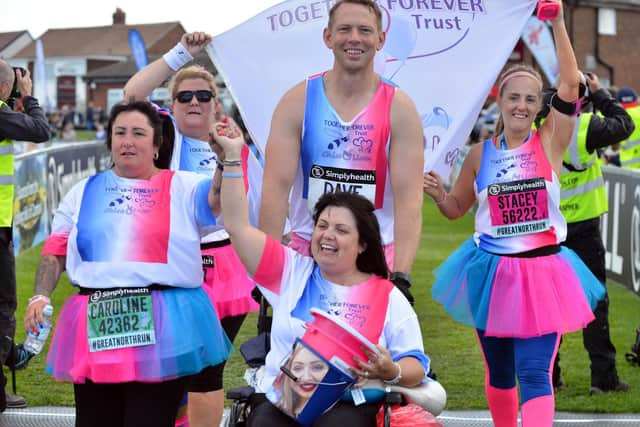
x: 185, y: 96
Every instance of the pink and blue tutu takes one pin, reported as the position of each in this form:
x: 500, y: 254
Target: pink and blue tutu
x: 188, y: 338
x: 228, y: 280
x: 517, y: 297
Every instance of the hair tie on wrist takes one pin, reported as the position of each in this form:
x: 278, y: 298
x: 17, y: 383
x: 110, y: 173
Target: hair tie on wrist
x: 232, y: 162
x: 232, y: 174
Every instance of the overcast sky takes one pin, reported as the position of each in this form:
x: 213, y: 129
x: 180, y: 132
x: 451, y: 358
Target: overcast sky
x: 213, y: 16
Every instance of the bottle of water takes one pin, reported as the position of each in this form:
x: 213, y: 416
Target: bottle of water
x: 34, y: 342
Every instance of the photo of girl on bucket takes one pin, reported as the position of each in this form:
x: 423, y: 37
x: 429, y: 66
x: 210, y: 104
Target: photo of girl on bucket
x: 346, y: 275
x: 308, y: 371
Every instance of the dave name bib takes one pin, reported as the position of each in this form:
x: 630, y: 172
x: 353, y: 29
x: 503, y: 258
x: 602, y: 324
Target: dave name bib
x: 120, y: 318
x: 325, y: 179
x: 518, y: 207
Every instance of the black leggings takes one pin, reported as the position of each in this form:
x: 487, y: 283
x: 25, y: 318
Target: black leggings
x: 210, y: 378
x: 131, y: 404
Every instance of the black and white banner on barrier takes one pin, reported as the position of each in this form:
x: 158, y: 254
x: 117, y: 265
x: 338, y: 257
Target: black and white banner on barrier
x: 621, y: 227
x: 43, y: 175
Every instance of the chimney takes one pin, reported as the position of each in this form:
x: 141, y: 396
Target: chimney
x: 118, y: 17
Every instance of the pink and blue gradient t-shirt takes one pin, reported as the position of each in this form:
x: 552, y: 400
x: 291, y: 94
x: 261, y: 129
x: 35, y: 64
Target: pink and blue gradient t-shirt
x: 518, y: 196
x: 293, y: 284
x: 336, y: 155
x: 120, y: 232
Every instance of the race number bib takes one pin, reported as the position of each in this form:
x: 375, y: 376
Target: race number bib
x: 120, y: 318
x: 518, y: 207
x: 324, y: 179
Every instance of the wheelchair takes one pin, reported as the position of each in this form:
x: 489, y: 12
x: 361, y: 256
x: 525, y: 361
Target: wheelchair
x: 254, y: 353
x: 245, y: 398
x: 430, y: 396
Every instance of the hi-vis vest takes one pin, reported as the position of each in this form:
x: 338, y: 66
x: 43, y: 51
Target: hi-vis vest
x: 582, y: 192
x: 630, y: 148
x: 6, y: 180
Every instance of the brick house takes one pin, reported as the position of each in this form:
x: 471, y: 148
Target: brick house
x: 72, y: 53
x: 606, y: 36
x: 13, y: 42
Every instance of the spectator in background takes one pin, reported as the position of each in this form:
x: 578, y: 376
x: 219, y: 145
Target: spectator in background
x: 89, y: 114
x: 101, y: 133
x: 68, y: 132
x: 630, y: 148
x: 99, y: 115
x: 67, y: 116
x: 53, y: 119
x: 29, y: 125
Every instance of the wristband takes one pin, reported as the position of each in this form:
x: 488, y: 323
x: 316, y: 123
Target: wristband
x: 400, y: 275
x: 397, y: 378
x: 177, y: 57
x: 232, y: 174
x: 564, y: 107
x: 37, y: 298
x: 219, y: 165
x: 232, y: 162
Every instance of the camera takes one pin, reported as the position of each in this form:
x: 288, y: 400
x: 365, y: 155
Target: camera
x: 546, y: 10
x: 15, y: 92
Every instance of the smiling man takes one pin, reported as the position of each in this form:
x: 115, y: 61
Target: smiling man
x: 348, y: 129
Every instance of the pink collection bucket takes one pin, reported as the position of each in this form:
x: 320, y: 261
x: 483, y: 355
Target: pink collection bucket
x: 335, y: 340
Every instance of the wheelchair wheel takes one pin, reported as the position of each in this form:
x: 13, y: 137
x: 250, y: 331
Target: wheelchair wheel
x: 238, y: 414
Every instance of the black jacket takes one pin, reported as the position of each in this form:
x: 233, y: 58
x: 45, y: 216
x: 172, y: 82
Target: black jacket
x: 615, y: 126
x: 31, y: 125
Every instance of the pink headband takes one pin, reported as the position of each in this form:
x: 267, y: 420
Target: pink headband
x: 519, y: 74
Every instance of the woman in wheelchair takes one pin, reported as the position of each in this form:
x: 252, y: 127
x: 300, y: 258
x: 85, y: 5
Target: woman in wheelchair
x: 346, y: 276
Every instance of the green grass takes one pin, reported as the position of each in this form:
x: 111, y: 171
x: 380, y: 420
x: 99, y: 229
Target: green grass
x: 451, y: 346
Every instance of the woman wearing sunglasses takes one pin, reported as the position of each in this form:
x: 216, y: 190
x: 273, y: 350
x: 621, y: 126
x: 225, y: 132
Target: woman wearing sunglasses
x: 186, y: 146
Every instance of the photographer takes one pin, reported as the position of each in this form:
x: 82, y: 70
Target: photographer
x: 30, y: 125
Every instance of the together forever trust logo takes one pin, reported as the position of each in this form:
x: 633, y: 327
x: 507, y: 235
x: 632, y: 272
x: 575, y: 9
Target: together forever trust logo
x: 408, y: 23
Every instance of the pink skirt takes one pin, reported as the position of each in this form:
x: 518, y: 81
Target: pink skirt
x: 517, y: 297
x: 188, y: 338
x: 227, y: 280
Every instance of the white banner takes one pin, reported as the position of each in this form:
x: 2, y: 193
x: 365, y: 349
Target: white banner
x: 538, y: 38
x: 446, y: 54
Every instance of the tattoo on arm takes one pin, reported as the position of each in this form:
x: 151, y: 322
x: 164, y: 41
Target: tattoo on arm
x: 48, y: 274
